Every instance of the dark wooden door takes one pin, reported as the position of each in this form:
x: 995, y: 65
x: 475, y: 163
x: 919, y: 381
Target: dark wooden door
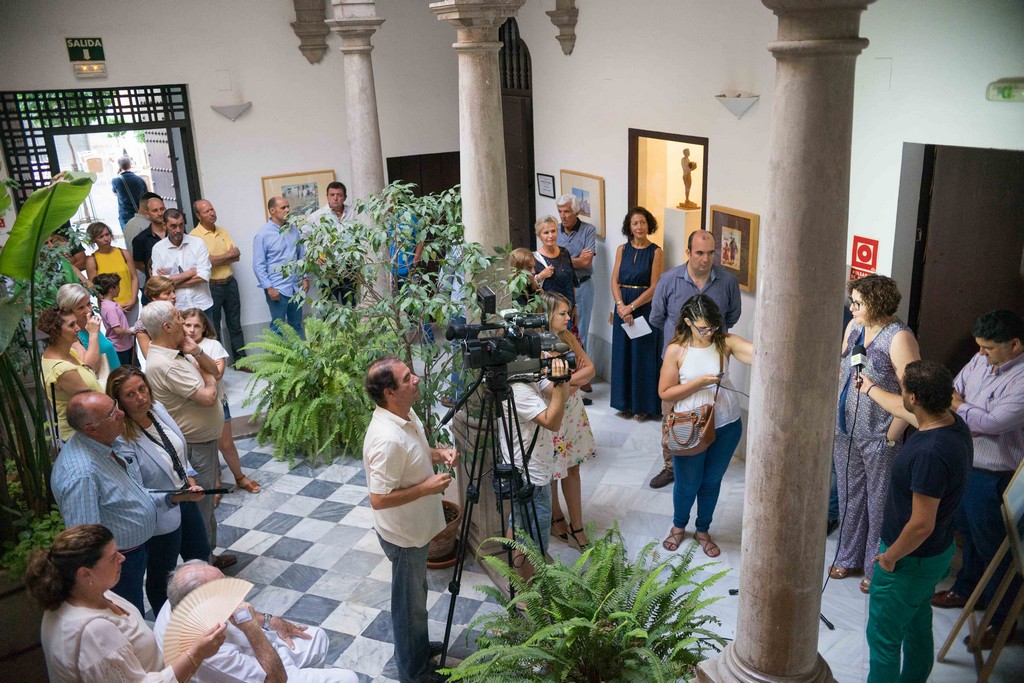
x: 517, y: 111
x: 162, y: 167
x: 970, y: 248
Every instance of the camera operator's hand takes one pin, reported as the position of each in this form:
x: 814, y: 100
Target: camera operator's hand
x: 560, y: 371
x: 437, y: 483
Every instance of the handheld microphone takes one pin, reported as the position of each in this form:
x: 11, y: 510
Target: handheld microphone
x: 858, y: 359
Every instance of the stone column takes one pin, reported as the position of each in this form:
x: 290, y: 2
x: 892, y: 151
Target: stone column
x: 796, y: 341
x: 481, y: 126
x: 355, y: 21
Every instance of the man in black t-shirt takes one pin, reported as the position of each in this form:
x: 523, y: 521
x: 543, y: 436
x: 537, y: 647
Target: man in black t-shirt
x: 928, y: 481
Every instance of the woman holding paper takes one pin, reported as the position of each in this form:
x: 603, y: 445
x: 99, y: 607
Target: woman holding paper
x: 636, y: 361
x: 157, y: 447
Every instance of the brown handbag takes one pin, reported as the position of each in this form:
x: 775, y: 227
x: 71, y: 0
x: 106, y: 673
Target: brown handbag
x: 691, y: 431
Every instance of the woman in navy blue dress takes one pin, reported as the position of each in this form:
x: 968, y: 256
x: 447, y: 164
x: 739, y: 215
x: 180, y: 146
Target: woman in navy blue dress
x: 636, y: 363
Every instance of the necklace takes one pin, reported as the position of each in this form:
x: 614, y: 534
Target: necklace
x: 926, y: 426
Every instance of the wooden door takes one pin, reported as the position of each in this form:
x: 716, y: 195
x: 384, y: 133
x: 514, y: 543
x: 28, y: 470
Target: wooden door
x: 517, y: 111
x: 970, y: 248
x: 162, y: 167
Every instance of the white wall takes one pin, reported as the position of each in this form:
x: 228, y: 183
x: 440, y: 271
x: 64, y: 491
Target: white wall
x: 943, y: 54
x: 297, y: 121
x: 655, y: 66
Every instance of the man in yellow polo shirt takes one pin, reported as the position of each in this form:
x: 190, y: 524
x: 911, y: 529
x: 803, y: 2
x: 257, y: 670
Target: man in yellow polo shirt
x: 223, y: 286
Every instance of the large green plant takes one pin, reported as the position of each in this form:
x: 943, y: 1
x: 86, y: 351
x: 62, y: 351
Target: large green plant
x: 441, y: 285
x: 25, y: 450
x: 312, y: 388
x: 605, y: 618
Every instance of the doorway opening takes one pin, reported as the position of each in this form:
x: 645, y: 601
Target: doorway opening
x: 959, y: 242
x: 45, y: 132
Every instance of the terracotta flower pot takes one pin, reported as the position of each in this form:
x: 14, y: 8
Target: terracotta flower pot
x: 442, y: 547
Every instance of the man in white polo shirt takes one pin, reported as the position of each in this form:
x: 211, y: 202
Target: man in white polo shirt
x: 405, y: 495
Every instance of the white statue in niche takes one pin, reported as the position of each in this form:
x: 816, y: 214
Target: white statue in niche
x: 688, y: 168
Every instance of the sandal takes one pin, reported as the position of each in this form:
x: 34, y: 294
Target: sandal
x: 865, y: 586
x: 247, y: 484
x: 575, y: 542
x: 709, y: 547
x: 217, y: 496
x: 624, y: 414
x: 674, y: 539
x: 640, y: 417
x: 554, y: 523
x: 838, y: 573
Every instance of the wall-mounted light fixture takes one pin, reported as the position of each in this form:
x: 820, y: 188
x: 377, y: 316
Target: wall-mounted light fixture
x: 231, y: 111
x: 737, y: 101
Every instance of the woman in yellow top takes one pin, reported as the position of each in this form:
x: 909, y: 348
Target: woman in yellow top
x: 109, y: 259
x: 63, y: 372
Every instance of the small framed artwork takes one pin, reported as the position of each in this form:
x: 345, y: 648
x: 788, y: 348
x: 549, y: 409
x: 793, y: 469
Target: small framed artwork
x: 546, y: 185
x: 735, y: 234
x: 305, y: 192
x: 589, y: 190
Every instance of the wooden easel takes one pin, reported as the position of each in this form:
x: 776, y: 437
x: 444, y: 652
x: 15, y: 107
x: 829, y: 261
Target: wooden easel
x: 1013, y: 509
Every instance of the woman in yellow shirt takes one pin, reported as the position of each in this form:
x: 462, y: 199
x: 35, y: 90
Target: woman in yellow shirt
x: 63, y: 373
x: 109, y: 259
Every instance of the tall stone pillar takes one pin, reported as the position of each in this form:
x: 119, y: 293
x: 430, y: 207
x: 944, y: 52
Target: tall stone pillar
x: 796, y: 341
x: 481, y: 126
x: 355, y: 21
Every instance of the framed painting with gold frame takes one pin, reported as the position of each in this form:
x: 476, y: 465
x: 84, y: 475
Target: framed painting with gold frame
x: 589, y: 190
x: 735, y: 234
x: 305, y: 191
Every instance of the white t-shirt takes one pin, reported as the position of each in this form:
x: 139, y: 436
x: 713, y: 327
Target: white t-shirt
x: 396, y: 455
x: 529, y: 404
x: 216, y: 351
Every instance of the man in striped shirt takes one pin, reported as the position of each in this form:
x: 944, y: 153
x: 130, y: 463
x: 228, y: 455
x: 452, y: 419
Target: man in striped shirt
x: 989, y: 396
x: 94, y: 484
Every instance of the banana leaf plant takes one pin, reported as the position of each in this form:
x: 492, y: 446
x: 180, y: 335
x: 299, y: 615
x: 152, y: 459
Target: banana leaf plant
x: 25, y: 447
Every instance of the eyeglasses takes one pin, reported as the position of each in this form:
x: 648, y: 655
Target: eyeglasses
x: 854, y: 305
x: 111, y: 414
x: 704, y: 331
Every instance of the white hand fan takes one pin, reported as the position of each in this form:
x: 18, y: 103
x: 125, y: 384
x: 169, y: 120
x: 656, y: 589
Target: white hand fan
x: 202, y: 609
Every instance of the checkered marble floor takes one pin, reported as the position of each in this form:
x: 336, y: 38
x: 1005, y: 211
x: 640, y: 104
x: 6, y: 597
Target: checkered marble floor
x: 307, y: 543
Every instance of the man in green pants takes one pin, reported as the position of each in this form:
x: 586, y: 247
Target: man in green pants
x: 928, y: 480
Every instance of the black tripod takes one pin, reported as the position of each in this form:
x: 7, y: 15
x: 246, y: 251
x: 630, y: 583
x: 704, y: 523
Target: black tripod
x: 497, y: 406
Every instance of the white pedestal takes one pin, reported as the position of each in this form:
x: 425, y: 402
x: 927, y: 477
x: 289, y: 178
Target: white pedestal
x: 679, y: 223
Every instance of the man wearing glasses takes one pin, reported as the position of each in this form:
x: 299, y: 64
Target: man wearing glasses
x: 93, y: 484
x: 699, y: 275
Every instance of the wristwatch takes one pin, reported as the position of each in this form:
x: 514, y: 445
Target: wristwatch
x: 266, y: 621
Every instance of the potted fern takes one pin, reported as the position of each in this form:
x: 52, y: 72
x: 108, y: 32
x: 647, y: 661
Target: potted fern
x: 604, y: 618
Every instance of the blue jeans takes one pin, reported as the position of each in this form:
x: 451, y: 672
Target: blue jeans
x: 129, y: 586
x: 979, y: 519
x: 523, y: 516
x: 700, y: 476
x: 584, y: 307
x: 833, y: 495
x: 225, y: 297
x: 409, y: 609
x: 188, y: 540
x: 285, y: 309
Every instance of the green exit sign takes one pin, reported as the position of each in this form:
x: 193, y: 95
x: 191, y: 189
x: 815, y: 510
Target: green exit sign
x: 85, y: 49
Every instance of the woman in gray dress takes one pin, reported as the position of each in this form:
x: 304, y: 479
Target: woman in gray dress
x: 867, y: 437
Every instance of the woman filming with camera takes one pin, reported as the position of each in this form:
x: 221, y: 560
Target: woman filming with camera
x: 693, y: 373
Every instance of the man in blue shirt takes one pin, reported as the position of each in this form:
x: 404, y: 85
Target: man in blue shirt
x: 698, y: 275
x: 93, y: 484
x: 129, y: 189
x: 275, y: 245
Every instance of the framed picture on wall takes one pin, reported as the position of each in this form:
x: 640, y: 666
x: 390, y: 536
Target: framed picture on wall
x: 735, y: 235
x: 589, y: 190
x: 546, y: 185
x: 305, y: 192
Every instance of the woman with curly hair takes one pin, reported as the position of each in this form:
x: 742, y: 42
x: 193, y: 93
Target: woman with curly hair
x: 64, y: 372
x: 867, y: 437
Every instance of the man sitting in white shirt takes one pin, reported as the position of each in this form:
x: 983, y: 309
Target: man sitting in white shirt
x: 262, y: 648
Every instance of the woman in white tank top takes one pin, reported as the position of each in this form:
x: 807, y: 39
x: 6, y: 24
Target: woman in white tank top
x: 696, y: 360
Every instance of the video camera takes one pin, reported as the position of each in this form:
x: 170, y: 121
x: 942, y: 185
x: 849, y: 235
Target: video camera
x: 517, y: 342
